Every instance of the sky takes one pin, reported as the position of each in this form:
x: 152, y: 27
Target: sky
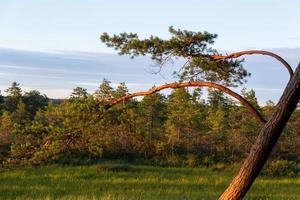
x: 54, y: 46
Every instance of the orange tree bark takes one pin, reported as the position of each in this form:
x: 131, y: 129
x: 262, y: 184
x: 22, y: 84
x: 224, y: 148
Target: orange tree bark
x: 267, y: 53
x: 244, y: 102
x: 266, y: 140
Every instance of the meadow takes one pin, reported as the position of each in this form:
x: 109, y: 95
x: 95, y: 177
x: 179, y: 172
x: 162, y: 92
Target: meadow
x: 125, y: 181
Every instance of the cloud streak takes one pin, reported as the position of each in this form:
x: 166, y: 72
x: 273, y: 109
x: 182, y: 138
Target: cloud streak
x: 62, y: 71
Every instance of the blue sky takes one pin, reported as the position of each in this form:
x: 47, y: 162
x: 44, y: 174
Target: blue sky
x: 41, y: 41
x: 76, y: 25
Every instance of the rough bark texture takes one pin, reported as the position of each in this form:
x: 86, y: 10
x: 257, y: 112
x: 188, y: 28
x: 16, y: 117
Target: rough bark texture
x: 241, y: 53
x: 266, y: 140
x: 244, y: 102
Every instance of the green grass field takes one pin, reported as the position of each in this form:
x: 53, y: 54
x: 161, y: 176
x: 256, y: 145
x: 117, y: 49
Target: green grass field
x: 117, y: 181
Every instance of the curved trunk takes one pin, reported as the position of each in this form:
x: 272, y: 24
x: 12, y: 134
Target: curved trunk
x: 244, y: 102
x: 266, y: 140
x: 267, y: 53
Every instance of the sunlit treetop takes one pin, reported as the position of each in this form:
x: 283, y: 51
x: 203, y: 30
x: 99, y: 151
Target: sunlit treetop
x: 195, y: 47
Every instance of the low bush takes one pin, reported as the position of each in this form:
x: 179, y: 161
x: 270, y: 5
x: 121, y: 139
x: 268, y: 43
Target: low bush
x: 192, y: 160
x: 276, y: 168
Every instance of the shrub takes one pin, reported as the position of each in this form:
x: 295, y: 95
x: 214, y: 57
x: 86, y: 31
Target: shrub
x: 207, y: 161
x: 4, y: 152
x: 278, y: 168
x: 174, y: 161
x: 192, y: 160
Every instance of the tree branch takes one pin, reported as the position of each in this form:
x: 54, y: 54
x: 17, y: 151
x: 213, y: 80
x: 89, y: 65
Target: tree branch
x: 241, y: 53
x: 243, y: 101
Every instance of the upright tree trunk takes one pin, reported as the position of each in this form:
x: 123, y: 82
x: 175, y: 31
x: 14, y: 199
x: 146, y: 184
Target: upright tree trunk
x: 266, y: 140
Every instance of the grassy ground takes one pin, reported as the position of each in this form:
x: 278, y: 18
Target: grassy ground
x: 112, y: 181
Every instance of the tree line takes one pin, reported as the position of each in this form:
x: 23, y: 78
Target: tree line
x: 185, y: 127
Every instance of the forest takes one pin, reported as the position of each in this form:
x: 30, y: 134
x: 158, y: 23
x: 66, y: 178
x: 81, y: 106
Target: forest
x: 185, y: 127
x: 117, y: 100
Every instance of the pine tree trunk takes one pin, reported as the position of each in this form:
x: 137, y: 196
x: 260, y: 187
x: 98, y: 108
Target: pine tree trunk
x: 266, y: 140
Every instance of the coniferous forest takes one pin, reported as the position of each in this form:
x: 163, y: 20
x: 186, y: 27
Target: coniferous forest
x: 182, y: 128
x: 81, y: 117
